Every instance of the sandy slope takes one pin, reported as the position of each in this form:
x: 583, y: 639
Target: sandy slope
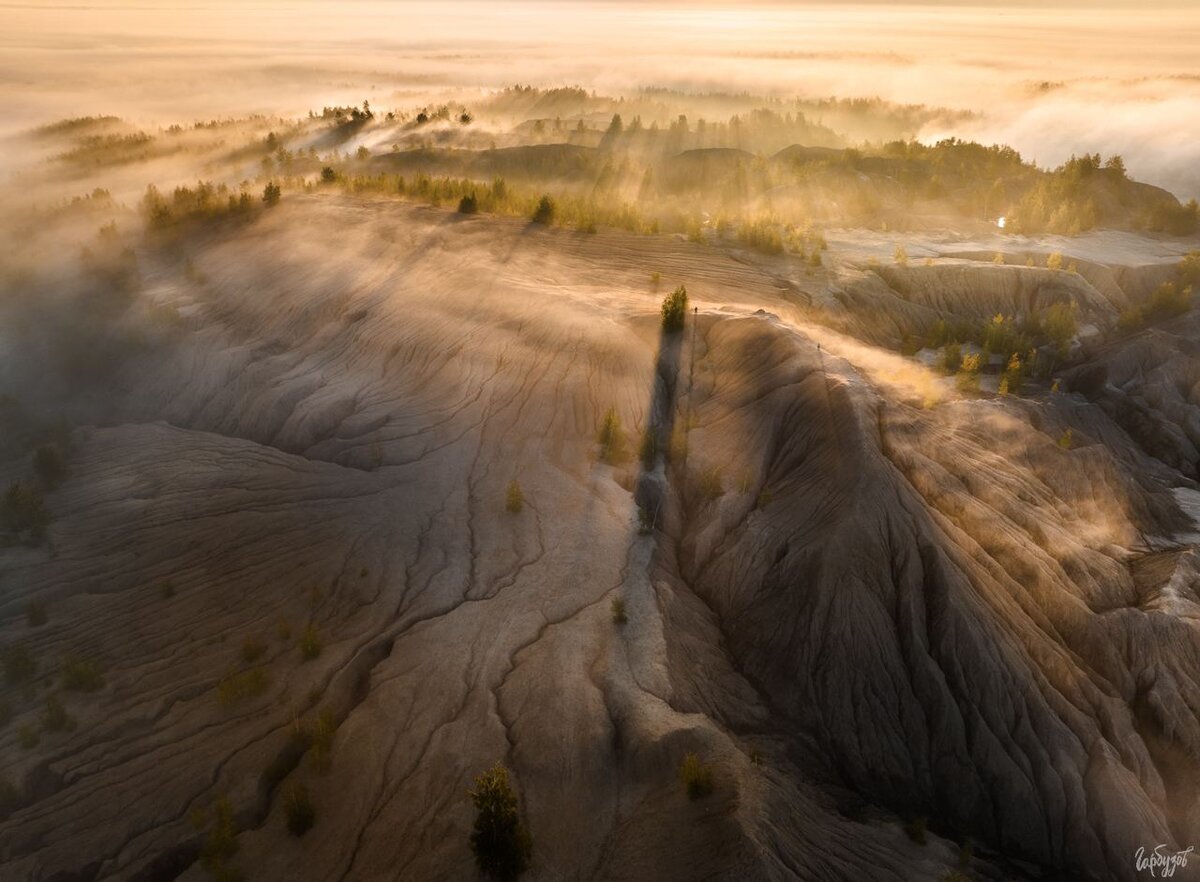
x: 904, y: 611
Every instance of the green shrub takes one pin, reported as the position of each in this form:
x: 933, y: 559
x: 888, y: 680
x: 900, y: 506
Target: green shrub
x: 710, y: 484
x: 514, y: 499
x: 611, y: 438
x: 900, y: 256
x: 321, y: 741
x: 951, y: 359
x: 1013, y: 377
x: 501, y: 844
x: 81, y: 674
x: 645, y: 521
x: 968, y: 375
x: 1065, y: 440
x: 328, y: 175
x: 271, y: 194
x: 544, y: 213
x: 1060, y: 325
x: 299, y: 810
x: 55, y: 717
x: 252, y: 650
x: 36, y: 614
x: 19, y: 664
x: 1168, y: 300
x: 468, y: 204
x: 674, y: 310
x: 241, y: 685
x: 761, y: 234
x: 28, y: 737
x: 310, y: 643
x: 1189, y: 268
x: 221, y: 844
x: 1055, y: 260
x: 618, y: 611
x: 697, y: 777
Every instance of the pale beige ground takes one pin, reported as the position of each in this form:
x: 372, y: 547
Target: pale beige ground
x: 907, y: 606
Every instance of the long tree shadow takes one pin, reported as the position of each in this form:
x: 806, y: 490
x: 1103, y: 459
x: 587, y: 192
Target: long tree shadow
x: 650, y: 486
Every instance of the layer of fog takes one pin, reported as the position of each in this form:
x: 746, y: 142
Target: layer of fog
x: 1050, y: 82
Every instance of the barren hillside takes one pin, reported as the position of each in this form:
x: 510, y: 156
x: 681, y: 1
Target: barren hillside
x: 892, y: 618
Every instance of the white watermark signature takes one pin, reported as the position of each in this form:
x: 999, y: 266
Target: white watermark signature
x: 1161, y: 863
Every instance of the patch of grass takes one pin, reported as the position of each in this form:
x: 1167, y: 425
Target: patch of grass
x: 299, y: 810
x: 36, y: 614
x: 514, y: 499
x: 310, y: 643
x: 1066, y: 440
x: 618, y: 611
x: 81, y: 674
x: 697, y: 777
x: 242, y: 685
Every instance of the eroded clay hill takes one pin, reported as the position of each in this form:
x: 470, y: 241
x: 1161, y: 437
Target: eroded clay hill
x: 866, y: 611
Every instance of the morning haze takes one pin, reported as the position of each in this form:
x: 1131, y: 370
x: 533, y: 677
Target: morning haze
x: 614, y: 441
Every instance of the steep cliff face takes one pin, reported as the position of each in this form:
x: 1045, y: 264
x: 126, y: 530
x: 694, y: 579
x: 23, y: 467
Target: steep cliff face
x: 941, y: 602
x: 1150, y: 385
x: 862, y: 611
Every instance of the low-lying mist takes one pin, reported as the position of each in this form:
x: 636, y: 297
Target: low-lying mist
x: 1049, y: 82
